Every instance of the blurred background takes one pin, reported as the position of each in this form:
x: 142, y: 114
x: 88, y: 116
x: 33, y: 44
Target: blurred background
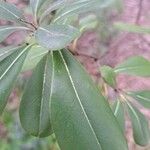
x: 100, y: 44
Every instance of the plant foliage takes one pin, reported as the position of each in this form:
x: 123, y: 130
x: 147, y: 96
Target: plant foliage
x: 60, y: 97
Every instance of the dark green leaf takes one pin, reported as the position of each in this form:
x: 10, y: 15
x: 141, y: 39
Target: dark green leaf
x: 137, y: 65
x: 119, y: 113
x: 80, y: 116
x: 143, y: 97
x: 10, y: 12
x: 5, y: 31
x: 34, y: 107
x: 108, y: 75
x: 9, y: 70
x: 141, y: 132
x: 55, y: 37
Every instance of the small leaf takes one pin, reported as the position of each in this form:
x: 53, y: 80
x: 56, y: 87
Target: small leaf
x: 34, y: 56
x: 55, y: 37
x: 80, y: 116
x: 10, y: 12
x: 137, y: 65
x: 143, y: 97
x: 5, y: 31
x: 35, y: 5
x: 77, y: 7
x: 141, y: 132
x: 34, y: 107
x: 10, y: 68
x: 108, y: 75
x: 132, y: 28
x: 119, y: 113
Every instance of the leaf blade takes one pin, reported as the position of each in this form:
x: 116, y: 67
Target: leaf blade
x: 10, y: 12
x: 143, y: 97
x: 35, y: 101
x: 132, y: 28
x: 136, y: 65
x: 141, y: 132
x: 5, y: 31
x: 10, y: 68
x: 119, y: 113
x: 108, y: 75
x: 59, y: 36
x: 80, y: 6
x: 76, y: 118
x: 35, y: 5
x: 34, y: 56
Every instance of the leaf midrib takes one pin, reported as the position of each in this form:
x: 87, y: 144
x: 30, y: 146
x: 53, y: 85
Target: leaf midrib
x: 79, y: 100
x: 9, y: 67
x: 55, y: 34
x: 130, y: 68
x: 66, y: 13
x: 143, y: 98
x: 42, y: 99
x: 136, y: 116
x: 13, y: 28
x: 10, y: 12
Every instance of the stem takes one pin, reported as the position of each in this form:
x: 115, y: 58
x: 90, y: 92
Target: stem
x: 29, y: 23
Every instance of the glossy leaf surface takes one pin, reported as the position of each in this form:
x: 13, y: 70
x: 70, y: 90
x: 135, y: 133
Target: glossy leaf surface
x: 34, y: 107
x: 80, y: 116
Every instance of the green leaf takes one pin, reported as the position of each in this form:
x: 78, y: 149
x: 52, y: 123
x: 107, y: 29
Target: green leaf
x: 35, y: 5
x: 88, y: 22
x: 10, y: 12
x: 55, y: 37
x: 132, y: 28
x: 53, y: 6
x: 5, y: 31
x: 141, y: 132
x: 108, y: 75
x: 137, y: 65
x: 34, y: 107
x: 34, y: 56
x: 119, y: 113
x: 77, y: 7
x: 6, y: 51
x: 10, y: 68
x: 143, y: 97
x: 81, y: 118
